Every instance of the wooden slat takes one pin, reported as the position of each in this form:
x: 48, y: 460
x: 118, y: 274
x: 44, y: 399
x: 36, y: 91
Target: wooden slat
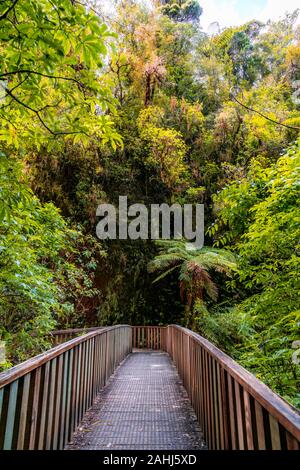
x: 101, y: 363
x: 211, y: 402
x: 95, y: 379
x: 84, y: 379
x: 62, y: 417
x: 204, y: 390
x: 85, y: 375
x: 239, y: 415
x: 57, y: 402
x: 106, y: 350
x: 248, y: 421
x: 10, y: 419
x: 275, y: 435
x: 207, y: 409
x: 35, y: 407
x: 193, y: 377
x: 97, y: 366
x: 260, y: 428
x: 90, y: 369
x: 51, y: 398
x: 200, y: 382
x: 70, y: 404
x: 232, y: 413
x: 23, y: 412
x: 216, y: 406
x: 93, y: 376
x: 45, y: 403
x: 223, y: 408
x: 90, y: 374
x: 78, y: 385
x: 291, y: 442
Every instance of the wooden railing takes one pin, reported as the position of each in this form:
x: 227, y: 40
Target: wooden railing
x: 43, y: 400
x: 61, y: 336
x: 147, y: 337
x: 234, y: 409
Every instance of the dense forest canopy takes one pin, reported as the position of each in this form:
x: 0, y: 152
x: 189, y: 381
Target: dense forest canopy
x: 142, y: 102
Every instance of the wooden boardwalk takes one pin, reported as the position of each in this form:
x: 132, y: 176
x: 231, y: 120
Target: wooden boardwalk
x: 143, y: 406
x: 76, y: 395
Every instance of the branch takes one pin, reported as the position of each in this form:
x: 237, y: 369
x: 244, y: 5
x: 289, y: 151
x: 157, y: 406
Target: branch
x: 19, y: 84
x: 15, y: 72
x: 4, y: 15
x: 263, y: 115
x: 37, y: 113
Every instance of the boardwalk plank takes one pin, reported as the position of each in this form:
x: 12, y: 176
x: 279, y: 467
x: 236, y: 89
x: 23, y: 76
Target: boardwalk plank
x: 143, y: 406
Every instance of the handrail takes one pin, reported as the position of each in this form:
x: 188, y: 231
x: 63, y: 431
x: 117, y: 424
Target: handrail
x: 43, y: 400
x: 288, y: 415
x: 27, y: 366
x: 60, y: 336
x: 76, y: 330
x: 234, y: 408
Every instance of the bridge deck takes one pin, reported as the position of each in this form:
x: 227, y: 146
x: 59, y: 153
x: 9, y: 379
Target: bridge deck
x: 143, y: 406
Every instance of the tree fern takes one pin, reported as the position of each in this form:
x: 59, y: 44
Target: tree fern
x: 195, y: 267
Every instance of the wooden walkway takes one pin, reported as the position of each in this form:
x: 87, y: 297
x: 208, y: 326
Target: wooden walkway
x: 143, y: 406
x: 116, y: 387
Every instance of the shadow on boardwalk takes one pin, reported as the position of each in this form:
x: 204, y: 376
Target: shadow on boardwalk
x: 143, y: 406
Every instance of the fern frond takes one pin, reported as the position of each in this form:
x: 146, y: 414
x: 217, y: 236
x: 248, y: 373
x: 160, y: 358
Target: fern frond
x: 164, y: 274
x: 195, y: 267
x: 163, y: 262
